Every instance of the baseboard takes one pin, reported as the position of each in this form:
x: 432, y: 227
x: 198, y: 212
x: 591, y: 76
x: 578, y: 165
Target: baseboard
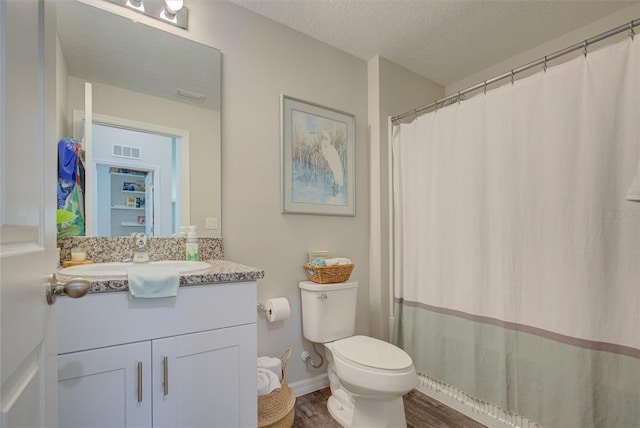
x: 306, y: 386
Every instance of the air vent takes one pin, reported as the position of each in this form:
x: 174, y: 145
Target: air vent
x: 190, y: 95
x: 126, y: 152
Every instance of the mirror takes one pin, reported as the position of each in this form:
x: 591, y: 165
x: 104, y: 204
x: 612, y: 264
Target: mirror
x: 144, y: 77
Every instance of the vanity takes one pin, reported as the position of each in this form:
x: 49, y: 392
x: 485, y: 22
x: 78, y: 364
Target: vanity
x: 169, y: 362
x: 183, y: 361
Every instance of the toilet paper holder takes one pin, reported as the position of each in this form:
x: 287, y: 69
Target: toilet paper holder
x: 262, y: 308
x: 276, y: 309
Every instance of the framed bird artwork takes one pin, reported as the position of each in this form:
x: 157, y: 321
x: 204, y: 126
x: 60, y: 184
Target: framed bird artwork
x: 317, y: 148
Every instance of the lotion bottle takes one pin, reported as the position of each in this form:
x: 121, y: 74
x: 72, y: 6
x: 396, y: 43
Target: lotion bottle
x: 192, y: 245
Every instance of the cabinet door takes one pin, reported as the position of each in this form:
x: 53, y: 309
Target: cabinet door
x: 200, y: 379
x: 107, y: 387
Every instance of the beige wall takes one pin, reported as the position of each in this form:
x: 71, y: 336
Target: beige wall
x: 392, y: 91
x: 620, y: 17
x: 261, y: 60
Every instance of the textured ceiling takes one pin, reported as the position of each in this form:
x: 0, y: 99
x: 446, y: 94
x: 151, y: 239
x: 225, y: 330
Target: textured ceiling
x: 444, y: 41
x: 99, y: 46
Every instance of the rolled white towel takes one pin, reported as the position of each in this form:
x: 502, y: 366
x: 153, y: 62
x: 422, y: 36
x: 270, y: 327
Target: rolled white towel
x: 271, y: 363
x: 267, y: 382
x: 338, y: 261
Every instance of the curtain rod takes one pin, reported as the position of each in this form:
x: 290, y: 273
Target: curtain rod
x: 542, y: 61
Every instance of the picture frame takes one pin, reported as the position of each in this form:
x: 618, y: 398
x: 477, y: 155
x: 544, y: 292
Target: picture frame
x: 131, y: 202
x: 317, y: 159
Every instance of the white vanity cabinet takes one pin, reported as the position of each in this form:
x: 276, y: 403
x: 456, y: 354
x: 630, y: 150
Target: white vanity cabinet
x: 203, y: 370
x: 177, y: 362
x: 100, y: 387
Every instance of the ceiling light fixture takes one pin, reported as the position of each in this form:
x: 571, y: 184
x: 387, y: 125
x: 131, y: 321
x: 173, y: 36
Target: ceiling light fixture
x: 170, y: 11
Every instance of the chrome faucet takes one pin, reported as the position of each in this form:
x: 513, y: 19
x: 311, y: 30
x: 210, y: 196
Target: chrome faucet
x: 141, y: 250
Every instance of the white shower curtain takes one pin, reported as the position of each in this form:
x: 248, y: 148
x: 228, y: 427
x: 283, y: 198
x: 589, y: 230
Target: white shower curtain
x: 517, y: 255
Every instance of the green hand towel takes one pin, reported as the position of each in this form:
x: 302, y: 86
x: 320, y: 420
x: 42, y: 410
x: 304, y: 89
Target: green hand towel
x: 150, y: 282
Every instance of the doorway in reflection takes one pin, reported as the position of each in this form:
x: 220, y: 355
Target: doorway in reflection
x: 137, y: 181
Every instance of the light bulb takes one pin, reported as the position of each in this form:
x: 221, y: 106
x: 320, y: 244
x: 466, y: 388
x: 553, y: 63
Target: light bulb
x: 135, y: 4
x: 173, y: 6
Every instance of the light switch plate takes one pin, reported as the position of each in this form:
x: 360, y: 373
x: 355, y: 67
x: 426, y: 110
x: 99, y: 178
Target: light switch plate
x: 211, y: 223
x: 322, y: 254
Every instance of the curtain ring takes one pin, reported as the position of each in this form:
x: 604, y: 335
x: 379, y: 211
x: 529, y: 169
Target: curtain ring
x: 435, y: 105
x: 459, y: 97
x: 485, y: 87
x: 544, y: 66
x: 632, y: 32
x: 513, y: 77
x: 585, y: 48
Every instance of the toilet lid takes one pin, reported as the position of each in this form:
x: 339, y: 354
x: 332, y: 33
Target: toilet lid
x: 372, y: 353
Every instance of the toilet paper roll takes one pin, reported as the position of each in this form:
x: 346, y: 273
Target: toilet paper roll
x: 278, y: 309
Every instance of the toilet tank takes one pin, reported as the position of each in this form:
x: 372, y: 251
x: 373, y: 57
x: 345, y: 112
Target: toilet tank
x: 328, y: 310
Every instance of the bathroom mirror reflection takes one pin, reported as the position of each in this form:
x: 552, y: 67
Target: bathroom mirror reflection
x: 153, y: 151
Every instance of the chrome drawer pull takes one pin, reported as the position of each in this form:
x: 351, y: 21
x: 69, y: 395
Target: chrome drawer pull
x: 165, y: 362
x: 139, y: 381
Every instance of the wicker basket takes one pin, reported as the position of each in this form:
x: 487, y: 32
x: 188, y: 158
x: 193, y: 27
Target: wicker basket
x: 328, y: 274
x: 277, y: 409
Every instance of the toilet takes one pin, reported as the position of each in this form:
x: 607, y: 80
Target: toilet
x: 367, y: 376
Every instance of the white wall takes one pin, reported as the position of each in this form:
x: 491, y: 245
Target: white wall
x: 156, y: 154
x: 392, y: 90
x: 62, y: 121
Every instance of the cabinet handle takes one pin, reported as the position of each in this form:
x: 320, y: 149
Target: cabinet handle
x: 139, y: 381
x: 165, y: 363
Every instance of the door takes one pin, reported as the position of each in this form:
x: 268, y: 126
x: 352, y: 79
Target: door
x: 197, y: 379
x: 106, y: 387
x: 148, y: 207
x: 28, y: 201
x: 134, y: 145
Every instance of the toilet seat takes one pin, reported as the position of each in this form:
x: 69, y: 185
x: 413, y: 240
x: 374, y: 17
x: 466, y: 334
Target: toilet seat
x: 372, y: 353
x: 369, y: 367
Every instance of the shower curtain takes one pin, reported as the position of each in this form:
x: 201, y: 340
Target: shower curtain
x: 516, y: 252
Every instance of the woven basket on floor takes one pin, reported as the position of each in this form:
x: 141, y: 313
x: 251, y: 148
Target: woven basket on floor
x: 328, y: 274
x: 277, y: 409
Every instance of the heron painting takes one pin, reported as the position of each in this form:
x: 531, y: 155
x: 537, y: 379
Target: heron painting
x: 318, y: 159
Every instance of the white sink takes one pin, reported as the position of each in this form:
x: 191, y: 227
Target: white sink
x: 120, y: 269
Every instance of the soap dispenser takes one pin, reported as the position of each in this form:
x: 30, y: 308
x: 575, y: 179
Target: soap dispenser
x: 192, y: 245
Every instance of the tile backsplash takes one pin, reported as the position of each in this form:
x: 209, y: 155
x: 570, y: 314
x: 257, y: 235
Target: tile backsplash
x: 117, y: 249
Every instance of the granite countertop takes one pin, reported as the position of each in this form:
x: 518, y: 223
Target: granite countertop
x: 221, y: 271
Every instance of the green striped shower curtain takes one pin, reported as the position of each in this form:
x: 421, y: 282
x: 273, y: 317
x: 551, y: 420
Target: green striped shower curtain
x: 517, y: 253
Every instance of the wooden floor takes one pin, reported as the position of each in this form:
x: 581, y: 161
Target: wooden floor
x: 421, y: 410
